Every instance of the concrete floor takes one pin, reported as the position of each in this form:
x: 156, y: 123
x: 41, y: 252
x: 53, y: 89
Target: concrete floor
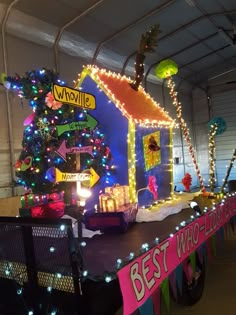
x: 219, y: 296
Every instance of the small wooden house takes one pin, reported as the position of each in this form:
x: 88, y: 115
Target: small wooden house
x: 138, y: 131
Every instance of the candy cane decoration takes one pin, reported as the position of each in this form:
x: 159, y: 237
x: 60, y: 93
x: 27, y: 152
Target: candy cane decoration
x: 228, y: 171
x: 216, y: 126
x: 185, y: 131
x: 164, y: 70
x: 212, y: 156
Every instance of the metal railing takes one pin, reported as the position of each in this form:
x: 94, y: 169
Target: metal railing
x: 40, y: 254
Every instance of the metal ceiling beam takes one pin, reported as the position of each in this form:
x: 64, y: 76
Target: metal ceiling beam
x: 176, y: 53
x: 204, y: 56
x: 64, y: 27
x: 212, y: 22
x: 182, y: 27
x: 190, y: 23
x: 223, y: 73
x: 200, y: 58
x: 127, y: 27
x: 226, y: 37
x: 205, y: 72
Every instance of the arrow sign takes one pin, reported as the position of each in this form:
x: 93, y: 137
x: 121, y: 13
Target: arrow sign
x: 92, y: 177
x: 74, y: 97
x: 91, y: 123
x: 62, y: 150
x: 70, y: 177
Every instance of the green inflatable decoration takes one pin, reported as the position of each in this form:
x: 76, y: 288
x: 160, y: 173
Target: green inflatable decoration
x: 4, y: 81
x: 166, y: 68
x: 3, y: 78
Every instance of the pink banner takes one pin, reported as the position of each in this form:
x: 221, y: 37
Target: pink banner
x: 139, y: 279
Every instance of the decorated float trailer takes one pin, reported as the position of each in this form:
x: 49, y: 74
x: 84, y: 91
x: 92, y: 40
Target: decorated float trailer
x: 143, y: 262
x: 46, y: 269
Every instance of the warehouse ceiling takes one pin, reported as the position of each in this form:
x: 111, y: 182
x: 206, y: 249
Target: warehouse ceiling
x: 199, y: 35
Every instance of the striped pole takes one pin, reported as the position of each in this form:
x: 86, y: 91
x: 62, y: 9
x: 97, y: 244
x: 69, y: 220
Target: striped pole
x: 184, y: 129
x: 212, y: 156
x: 228, y: 171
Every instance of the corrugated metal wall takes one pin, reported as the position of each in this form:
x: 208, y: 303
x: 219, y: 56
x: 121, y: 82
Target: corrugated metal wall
x: 24, y: 56
x: 200, y: 120
x: 224, y: 105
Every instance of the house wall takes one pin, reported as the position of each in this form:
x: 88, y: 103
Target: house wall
x: 115, y: 128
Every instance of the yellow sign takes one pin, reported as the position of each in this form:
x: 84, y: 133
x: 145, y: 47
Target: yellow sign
x: 151, y: 150
x: 92, y: 177
x: 74, y: 97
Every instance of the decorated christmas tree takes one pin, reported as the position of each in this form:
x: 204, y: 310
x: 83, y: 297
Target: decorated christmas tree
x: 61, y: 143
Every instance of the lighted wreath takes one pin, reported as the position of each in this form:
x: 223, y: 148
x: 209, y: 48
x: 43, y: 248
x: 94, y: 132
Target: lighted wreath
x: 166, y: 68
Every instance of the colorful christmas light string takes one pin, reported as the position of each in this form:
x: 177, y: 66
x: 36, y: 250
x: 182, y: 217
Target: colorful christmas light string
x: 212, y: 156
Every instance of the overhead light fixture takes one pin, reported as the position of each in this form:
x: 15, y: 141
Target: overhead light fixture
x: 223, y: 73
x: 191, y: 3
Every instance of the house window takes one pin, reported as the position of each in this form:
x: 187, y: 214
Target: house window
x: 152, y: 150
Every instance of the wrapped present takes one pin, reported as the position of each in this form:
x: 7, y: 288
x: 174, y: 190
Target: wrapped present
x: 111, y: 221
x: 102, y: 199
x: 120, y: 192
x: 117, y: 192
x: 108, y: 203
x: 53, y: 209
x: 111, y: 204
x: 27, y: 200
x: 126, y: 194
x: 109, y: 190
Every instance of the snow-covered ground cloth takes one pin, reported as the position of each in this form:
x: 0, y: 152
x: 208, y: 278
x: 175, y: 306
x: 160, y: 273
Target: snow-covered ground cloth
x: 162, y: 210
x: 85, y: 232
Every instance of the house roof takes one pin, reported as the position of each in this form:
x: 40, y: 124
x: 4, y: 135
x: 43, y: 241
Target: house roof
x: 136, y: 105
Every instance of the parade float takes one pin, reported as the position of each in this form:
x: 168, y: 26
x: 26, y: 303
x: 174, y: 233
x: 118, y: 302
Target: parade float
x: 140, y: 134
x: 104, y: 141
x: 64, y: 147
x: 100, y: 152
